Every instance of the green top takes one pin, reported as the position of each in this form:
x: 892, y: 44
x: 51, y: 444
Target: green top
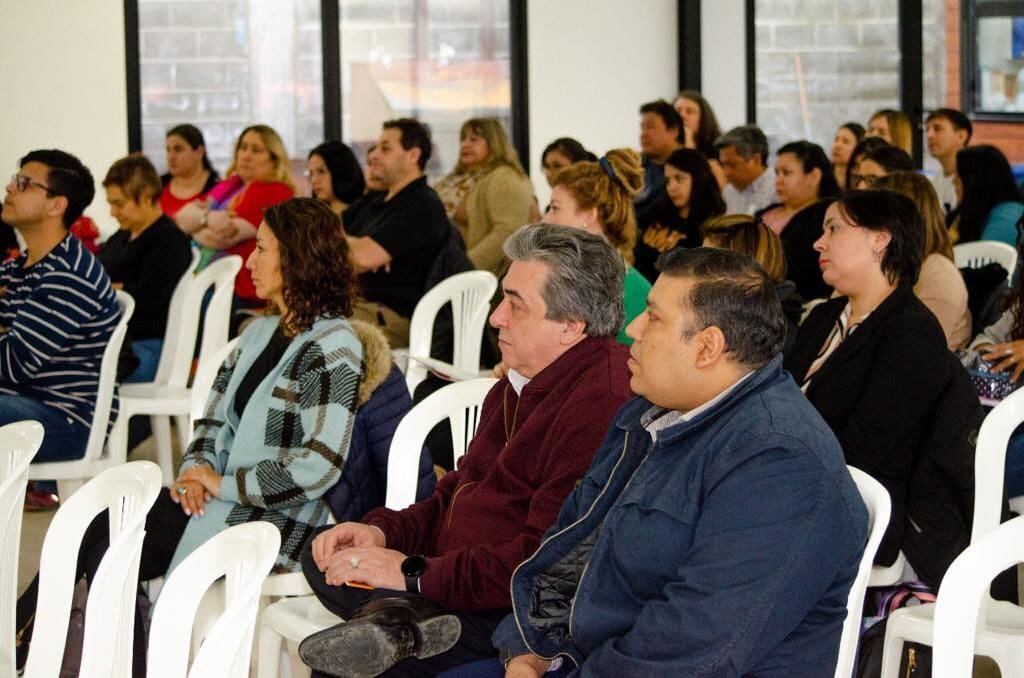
x: 634, y: 294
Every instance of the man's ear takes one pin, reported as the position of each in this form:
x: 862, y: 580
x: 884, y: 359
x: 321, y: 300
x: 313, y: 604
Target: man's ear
x: 711, y: 346
x: 572, y: 331
x: 58, y: 205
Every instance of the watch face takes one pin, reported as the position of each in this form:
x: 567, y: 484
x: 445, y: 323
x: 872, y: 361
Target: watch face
x: 413, y: 566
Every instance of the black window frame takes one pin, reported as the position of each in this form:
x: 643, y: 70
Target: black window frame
x: 969, y: 15
x: 330, y: 13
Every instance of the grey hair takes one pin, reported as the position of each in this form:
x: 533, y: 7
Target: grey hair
x: 585, y: 275
x: 747, y: 140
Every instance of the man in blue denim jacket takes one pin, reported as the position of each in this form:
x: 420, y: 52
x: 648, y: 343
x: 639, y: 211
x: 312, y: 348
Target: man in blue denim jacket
x: 718, y: 531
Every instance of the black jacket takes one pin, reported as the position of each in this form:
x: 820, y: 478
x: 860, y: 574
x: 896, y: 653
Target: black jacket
x: 880, y: 392
x: 798, y: 239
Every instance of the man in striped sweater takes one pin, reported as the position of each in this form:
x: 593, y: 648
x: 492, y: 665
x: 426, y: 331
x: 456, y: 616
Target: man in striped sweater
x: 57, y: 307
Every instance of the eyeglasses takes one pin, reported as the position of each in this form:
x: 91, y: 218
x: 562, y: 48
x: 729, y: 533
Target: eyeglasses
x: 22, y: 182
x: 870, y: 180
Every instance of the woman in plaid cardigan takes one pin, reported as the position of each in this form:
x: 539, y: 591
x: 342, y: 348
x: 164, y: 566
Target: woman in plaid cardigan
x: 278, y: 421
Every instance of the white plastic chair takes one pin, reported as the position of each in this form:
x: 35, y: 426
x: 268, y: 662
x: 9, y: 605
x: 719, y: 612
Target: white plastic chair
x: 243, y: 555
x: 876, y: 499
x: 127, y: 492
x: 977, y: 254
x: 168, y: 394
x: 202, y: 383
x: 71, y: 474
x: 470, y: 296
x: 959, y: 633
x: 915, y: 623
x: 19, y: 442
x: 295, y: 618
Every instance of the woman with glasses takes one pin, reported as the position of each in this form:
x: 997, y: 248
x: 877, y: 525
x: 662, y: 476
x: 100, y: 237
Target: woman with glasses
x: 335, y: 176
x: 876, y: 163
x: 225, y: 223
x: 806, y: 186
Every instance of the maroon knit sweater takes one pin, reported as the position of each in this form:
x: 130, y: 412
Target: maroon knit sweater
x: 488, y: 516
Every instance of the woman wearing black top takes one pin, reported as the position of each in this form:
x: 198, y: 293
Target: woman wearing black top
x: 146, y: 258
x: 874, y: 362
x: 690, y: 198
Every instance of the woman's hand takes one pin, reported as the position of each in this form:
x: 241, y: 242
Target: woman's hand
x: 190, y: 217
x: 526, y: 666
x: 191, y: 495
x: 207, y: 238
x: 205, y: 476
x: 1005, y: 357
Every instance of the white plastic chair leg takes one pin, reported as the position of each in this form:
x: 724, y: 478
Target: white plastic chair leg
x: 268, y: 663
x: 184, y: 433
x: 162, y: 435
x: 66, y: 488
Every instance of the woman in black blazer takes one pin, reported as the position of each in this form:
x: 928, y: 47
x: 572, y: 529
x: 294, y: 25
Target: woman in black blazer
x: 874, y: 361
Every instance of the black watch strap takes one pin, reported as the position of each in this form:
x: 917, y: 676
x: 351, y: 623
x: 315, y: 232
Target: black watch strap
x: 412, y: 584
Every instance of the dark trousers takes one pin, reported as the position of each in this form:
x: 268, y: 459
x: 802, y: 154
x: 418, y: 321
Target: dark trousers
x: 165, y: 524
x: 474, y: 643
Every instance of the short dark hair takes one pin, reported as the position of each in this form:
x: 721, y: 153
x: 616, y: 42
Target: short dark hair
x: 811, y: 157
x: 956, y: 118
x: 747, y: 140
x: 347, y: 180
x: 733, y: 293
x: 668, y: 115
x: 573, y: 150
x: 879, y: 210
x: 413, y: 133
x: 136, y: 177
x: 67, y: 177
x: 890, y: 158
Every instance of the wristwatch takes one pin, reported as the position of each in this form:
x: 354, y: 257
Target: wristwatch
x: 412, y: 568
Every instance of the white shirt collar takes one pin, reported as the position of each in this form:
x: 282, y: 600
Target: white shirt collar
x: 672, y: 417
x: 518, y: 381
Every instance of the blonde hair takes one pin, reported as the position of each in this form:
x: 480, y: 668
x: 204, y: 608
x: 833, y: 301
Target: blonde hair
x: 920, y: 190
x: 610, y: 192
x: 500, y: 150
x: 740, y: 233
x: 900, y: 130
x: 278, y: 155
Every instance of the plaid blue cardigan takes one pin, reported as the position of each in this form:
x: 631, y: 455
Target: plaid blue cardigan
x: 289, y: 446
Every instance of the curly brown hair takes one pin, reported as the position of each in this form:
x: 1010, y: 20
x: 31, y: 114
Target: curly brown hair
x: 318, y: 281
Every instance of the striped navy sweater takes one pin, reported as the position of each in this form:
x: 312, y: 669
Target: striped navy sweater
x: 56, y: 317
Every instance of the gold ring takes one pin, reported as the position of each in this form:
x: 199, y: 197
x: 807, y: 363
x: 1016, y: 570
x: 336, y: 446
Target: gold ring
x: 182, y: 490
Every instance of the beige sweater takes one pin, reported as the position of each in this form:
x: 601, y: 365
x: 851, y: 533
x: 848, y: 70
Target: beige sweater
x: 497, y: 206
x: 941, y: 288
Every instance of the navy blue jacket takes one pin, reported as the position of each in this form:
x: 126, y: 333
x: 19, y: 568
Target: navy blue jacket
x: 727, y: 548
x: 363, y: 483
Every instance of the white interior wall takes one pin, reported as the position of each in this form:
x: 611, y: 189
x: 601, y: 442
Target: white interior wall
x: 591, y: 64
x: 64, y: 85
x: 723, y: 66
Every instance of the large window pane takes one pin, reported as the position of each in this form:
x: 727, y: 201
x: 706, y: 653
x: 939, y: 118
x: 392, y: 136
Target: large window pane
x: 441, y: 61
x: 821, y: 63
x: 225, y: 64
x: 999, y: 40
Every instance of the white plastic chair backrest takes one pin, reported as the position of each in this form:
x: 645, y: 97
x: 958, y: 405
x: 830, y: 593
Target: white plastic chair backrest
x: 879, y: 506
x: 108, y: 378
x: 977, y: 254
x: 206, y: 373
x: 961, y: 593
x: 470, y: 296
x: 460, y: 403
x: 243, y: 555
x: 179, y: 329
x: 990, y: 462
x: 127, y: 492
x: 218, y: 312
x: 19, y: 442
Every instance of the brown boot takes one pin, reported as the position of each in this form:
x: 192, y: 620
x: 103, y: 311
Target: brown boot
x: 380, y: 634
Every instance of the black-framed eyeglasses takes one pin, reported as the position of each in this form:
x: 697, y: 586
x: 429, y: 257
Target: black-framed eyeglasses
x: 22, y: 182
x: 869, y: 179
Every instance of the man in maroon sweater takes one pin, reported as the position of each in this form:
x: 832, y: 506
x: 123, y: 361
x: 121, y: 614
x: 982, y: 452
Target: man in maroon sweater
x: 440, y: 569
